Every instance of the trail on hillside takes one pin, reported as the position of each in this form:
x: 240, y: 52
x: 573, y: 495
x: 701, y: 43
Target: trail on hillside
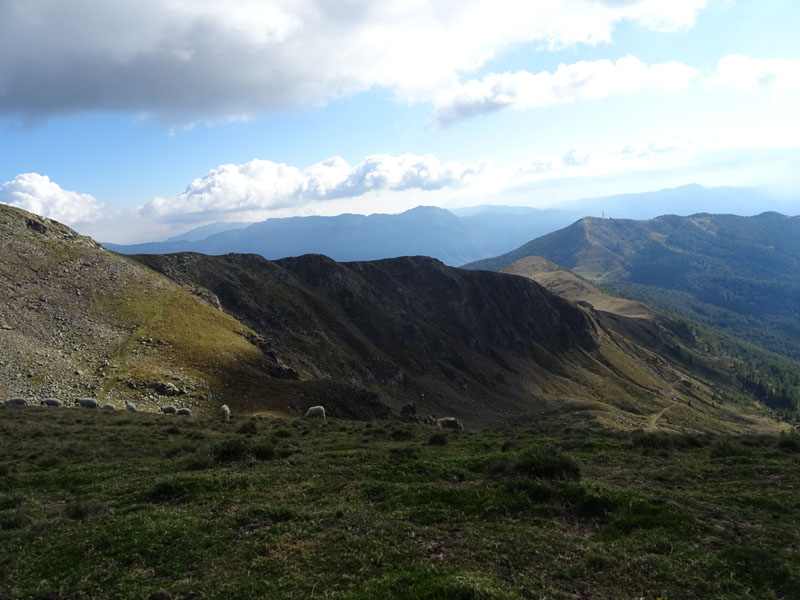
x: 652, y: 420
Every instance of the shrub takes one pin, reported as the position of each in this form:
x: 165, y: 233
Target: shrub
x: 498, y: 468
x: 726, y: 447
x: 652, y: 440
x: 789, y: 443
x: 402, y: 434
x: 547, y: 462
x: 248, y: 428
x: 403, y: 453
x: 166, y: 491
x: 264, y: 451
x: 11, y: 501
x: 228, y: 450
x: 438, y: 439
x: 82, y: 508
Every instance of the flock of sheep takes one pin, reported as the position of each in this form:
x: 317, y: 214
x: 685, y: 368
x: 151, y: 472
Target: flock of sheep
x: 169, y: 409
x: 224, y: 411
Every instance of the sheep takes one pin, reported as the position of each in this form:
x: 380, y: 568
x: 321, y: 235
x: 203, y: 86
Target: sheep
x: 130, y: 406
x: 169, y: 409
x: 315, y: 411
x: 184, y: 411
x: 51, y: 402
x: 87, y: 403
x: 109, y: 406
x: 15, y: 402
x: 225, y: 412
x: 450, y: 423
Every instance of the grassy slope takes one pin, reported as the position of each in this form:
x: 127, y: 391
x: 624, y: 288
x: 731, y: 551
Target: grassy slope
x: 120, y: 505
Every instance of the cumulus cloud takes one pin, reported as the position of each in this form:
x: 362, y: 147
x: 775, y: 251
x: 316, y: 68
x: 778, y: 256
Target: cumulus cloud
x: 185, y: 61
x: 578, y: 81
x: 37, y: 194
x: 262, y: 185
x: 745, y: 74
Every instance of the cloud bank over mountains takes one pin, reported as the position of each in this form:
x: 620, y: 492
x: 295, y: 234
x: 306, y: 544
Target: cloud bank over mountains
x: 207, y: 60
x: 262, y: 185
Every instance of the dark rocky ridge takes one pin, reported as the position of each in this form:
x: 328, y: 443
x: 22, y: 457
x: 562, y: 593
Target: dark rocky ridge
x: 408, y: 327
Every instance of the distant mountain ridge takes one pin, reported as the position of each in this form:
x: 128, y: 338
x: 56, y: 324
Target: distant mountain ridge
x: 425, y: 230
x: 455, y: 237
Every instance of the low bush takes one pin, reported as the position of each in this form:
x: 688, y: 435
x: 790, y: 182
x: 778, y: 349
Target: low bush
x: 547, y: 462
x: 248, y: 428
x: 438, y: 439
x: 727, y: 447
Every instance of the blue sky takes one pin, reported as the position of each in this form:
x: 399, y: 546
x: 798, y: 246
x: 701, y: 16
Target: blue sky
x: 132, y: 121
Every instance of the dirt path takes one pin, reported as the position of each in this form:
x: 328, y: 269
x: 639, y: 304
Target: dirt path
x: 652, y: 420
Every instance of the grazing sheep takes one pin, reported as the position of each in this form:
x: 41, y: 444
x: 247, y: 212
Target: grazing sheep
x: 225, y: 412
x: 315, y: 411
x: 169, y: 409
x: 130, y: 406
x: 109, y: 406
x: 184, y: 411
x: 52, y: 402
x: 450, y: 423
x: 87, y: 403
x: 15, y: 402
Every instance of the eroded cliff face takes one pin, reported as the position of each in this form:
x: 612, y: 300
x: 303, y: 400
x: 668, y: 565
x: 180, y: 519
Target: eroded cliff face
x: 410, y: 328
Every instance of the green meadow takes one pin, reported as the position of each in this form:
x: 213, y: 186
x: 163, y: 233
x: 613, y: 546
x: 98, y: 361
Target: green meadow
x: 98, y: 505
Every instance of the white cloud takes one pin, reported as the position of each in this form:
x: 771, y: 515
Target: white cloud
x: 575, y: 157
x: 262, y: 185
x: 184, y: 61
x: 37, y: 194
x: 746, y: 74
x: 578, y: 81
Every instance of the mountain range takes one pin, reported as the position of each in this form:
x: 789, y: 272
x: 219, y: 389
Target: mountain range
x: 455, y: 237
x: 363, y: 338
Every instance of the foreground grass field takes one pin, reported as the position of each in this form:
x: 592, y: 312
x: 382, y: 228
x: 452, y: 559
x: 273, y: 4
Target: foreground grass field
x: 99, y: 505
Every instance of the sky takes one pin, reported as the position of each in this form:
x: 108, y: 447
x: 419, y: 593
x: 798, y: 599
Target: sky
x: 136, y: 120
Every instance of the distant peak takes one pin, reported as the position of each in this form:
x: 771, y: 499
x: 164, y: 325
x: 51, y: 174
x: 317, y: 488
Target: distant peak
x: 425, y: 209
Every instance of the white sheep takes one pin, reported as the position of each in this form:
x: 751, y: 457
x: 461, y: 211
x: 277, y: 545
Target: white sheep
x: 87, y: 403
x: 52, y: 402
x: 130, y: 406
x: 169, y: 409
x: 184, y: 411
x: 15, y: 402
x: 109, y: 406
x: 315, y: 411
x: 225, y: 412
